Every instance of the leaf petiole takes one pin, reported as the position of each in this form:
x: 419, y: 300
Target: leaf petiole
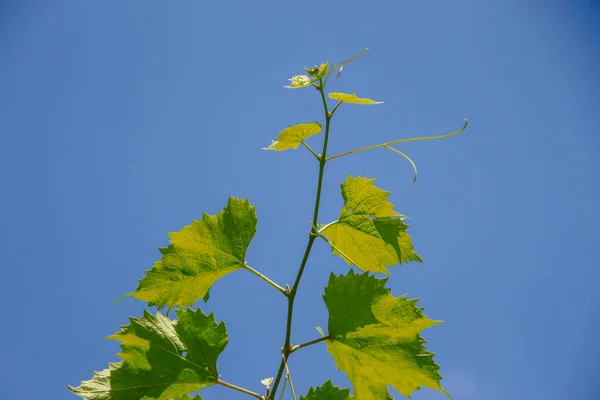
x: 240, y: 389
x: 299, y: 346
x: 325, y: 227
x: 264, y: 278
x: 314, y: 153
x: 335, y: 108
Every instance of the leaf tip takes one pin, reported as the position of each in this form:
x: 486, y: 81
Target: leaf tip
x: 123, y: 297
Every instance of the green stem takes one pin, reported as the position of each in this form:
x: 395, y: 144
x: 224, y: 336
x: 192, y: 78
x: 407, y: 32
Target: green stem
x: 264, y: 278
x: 240, y: 389
x: 401, y: 141
x: 311, y: 239
x: 299, y: 346
x: 289, y: 378
x: 282, y: 389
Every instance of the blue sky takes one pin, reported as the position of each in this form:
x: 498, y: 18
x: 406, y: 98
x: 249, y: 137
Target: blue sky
x: 122, y: 121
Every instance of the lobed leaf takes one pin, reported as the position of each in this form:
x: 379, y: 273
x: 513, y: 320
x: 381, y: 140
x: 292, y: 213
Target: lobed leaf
x: 352, y: 98
x: 375, y: 338
x: 327, y: 391
x: 161, y: 359
x: 292, y: 136
x: 199, y: 255
x: 369, y: 233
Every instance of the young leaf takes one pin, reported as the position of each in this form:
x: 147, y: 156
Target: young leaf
x: 327, y: 392
x: 352, y: 98
x: 267, y: 382
x: 199, y: 255
x: 317, y: 71
x: 369, y: 233
x: 300, y: 81
x: 375, y: 338
x: 162, y: 359
x: 292, y: 136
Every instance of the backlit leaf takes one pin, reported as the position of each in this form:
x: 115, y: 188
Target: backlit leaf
x: 375, y: 338
x: 161, y: 359
x: 369, y: 233
x: 300, y: 81
x: 292, y: 136
x: 352, y: 98
x: 199, y: 255
x: 327, y: 392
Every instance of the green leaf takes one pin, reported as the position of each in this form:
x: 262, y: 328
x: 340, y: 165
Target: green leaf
x: 199, y: 255
x: 375, y: 338
x: 369, y: 233
x: 352, y: 98
x: 162, y: 359
x: 292, y: 136
x: 327, y: 392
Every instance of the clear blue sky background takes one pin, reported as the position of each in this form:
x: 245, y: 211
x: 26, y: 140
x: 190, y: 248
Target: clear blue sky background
x: 124, y: 120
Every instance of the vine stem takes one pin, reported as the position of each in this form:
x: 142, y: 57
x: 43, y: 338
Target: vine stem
x: 240, y: 389
x: 286, y: 350
x: 387, y: 144
x: 264, y: 278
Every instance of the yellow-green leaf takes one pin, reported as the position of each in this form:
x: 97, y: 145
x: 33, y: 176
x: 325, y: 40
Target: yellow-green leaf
x: 300, y: 81
x: 375, y: 338
x: 317, y: 71
x: 292, y: 136
x: 161, y: 359
x: 369, y: 233
x: 199, y: 255
x: 352, y: 98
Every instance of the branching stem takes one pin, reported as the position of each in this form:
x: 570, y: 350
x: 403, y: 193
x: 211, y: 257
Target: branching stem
x: 311, y: 239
